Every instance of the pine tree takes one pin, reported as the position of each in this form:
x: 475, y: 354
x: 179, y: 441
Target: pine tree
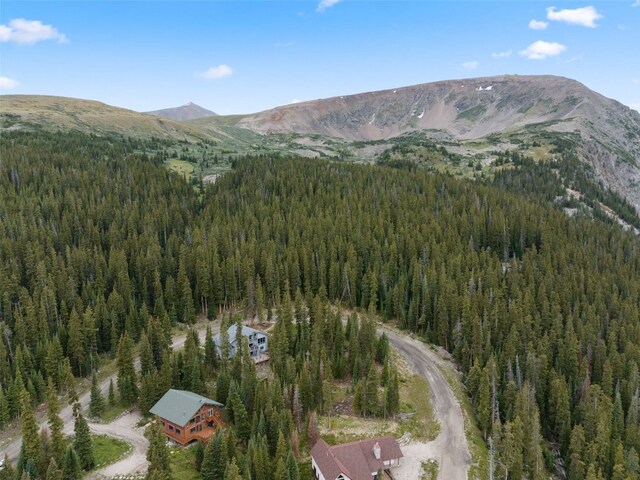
x: 82, y: 444
x: 147, y: 364
x: 210, y: 458
x: 232, y: 472
x: 240, y: 417
x: 53, y: 472
x: 56, y: 425
x: 483, y: 407
x: 312, y: 429
x: 158, y: 453
x: 31, y: 443
x: 370, y: 394
x: 112, y: 393
x: 96, y: 402
x: 392, y: 394
x: 71, y: 469
x: 292, y: 467
x: 281, y: 472
x: 126, y: 371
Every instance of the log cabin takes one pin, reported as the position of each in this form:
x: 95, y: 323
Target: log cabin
x: 187, y: 417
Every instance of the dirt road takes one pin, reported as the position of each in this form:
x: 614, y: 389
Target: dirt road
x: 123, y: 428
x: 449, y: 448
x: 12, y: 447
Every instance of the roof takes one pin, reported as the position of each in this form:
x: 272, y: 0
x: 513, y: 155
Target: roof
x: 179, y: 406
x: 231, y: 332
x: 356, y: 459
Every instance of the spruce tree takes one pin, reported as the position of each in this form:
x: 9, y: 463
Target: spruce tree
x: 232, y: 472
x: 158, y: 453
x: 53, y: 472
x: 292, y: 467
x: 126, y: 371
x: 392, y: 394
x: 112, y: 393
x: 209, y: 459
x: 71, y: 469
x: 82, y: 444
x: 96, y: 403
x: 31, y: 442
x: 56, y: 426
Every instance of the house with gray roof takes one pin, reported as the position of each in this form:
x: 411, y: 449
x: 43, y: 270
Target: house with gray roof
x: 257, y: 340
x: 187, y: 417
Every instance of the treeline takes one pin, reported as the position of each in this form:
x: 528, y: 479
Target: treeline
x: 541, y: 311
x: 549, y: 180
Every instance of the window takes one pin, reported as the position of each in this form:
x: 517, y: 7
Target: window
x: 262, y: 340
x: 170, y: 427
x: 177, y: 431
x: 193, y: 430
x: 210, y: 413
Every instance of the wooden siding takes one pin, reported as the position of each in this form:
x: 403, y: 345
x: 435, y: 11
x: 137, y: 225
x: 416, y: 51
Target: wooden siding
x: 202, y: 426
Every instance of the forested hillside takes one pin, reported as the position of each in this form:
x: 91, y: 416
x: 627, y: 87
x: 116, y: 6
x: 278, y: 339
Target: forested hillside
x: 541, y: 311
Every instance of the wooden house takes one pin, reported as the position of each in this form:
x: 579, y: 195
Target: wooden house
x: 361, y: 460
x: 187, y: 417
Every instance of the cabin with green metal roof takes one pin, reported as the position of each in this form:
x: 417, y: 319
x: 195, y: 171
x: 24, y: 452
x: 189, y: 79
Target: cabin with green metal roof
x: 187, y: 417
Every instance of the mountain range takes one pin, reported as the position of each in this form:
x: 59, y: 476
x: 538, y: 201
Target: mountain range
x: 474, y: 119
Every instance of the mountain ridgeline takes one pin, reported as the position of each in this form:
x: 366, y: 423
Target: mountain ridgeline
x: 465, y: 127
x: 505, y: 111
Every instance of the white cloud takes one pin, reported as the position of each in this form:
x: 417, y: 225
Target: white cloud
x: 636, y: 3
x: 324, y: 4
x: 584, y: 16
x: 538, y: 25
x: 635, y: 106
x: 636, y: 81
x: 7, y: 83
x: 28, y: 32
x: 505, y: 54
x: 215, y: 73
x: 470, y: 65
x: 540, y: 50
x: 295, y: 100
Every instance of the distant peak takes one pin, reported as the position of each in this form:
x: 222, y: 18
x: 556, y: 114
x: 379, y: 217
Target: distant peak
x: 188, y: 111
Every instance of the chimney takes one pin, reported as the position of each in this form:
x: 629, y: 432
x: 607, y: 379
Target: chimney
x: 376, y: 451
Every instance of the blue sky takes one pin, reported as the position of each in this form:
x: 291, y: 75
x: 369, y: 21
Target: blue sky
x: 240, y: 57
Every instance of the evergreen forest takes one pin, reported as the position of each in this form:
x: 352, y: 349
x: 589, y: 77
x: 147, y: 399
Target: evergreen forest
x: 103, y: 251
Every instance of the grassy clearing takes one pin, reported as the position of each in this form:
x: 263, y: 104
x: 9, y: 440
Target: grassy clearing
x: 183, y: 461
x: 108, y: 450
x: 112, y: 412
x: 423, y: 424
x: 184, y: 169
x: 416, y: 413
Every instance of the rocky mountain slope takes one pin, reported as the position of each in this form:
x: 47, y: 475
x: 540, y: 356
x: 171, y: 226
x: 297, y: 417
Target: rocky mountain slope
x: 607, y: 132
x: 463, y: 123
x: 190, y: 111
